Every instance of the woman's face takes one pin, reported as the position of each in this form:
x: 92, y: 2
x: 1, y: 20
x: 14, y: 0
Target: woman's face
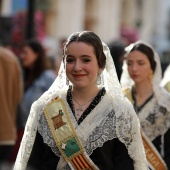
x: 28, y: 57
x: 81, y: 64
x: 139, y: 67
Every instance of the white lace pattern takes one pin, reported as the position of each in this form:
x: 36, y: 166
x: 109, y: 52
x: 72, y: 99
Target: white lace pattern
x: 154, y: 119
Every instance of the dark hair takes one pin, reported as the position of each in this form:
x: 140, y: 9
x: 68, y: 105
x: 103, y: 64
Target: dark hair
x: 40, y: 64
x: 92, y: 39
x: 147, y: 51
x: 117, y: 51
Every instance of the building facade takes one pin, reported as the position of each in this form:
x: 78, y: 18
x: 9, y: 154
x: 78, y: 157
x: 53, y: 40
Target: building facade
x: 149, y: 19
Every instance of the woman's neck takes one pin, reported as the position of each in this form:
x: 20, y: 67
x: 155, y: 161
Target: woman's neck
x: 143, y: 91
x: 84, y: 94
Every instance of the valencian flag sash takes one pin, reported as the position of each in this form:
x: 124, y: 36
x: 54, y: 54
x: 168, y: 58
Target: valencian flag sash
x: 153, y: 157
x: 65, y: 136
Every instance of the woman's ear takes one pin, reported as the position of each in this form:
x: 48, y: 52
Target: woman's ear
x: 100, y: 71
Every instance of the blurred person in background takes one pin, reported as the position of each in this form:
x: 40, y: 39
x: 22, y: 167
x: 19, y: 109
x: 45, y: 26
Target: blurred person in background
x: 117, y: 51
x: 62, y: 42
x: 50, y: 45
x: 140, y: 81
x: 38, y: 77
x: 11, y: 89
x: 128, y: 35
x: 54, y: 52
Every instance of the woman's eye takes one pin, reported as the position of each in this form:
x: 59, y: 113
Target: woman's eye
x: 86, y: 60
x: 141, y: 63
x: 129, y: 64
x: 69, y: 60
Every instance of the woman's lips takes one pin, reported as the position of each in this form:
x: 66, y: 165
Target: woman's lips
x: 78, y: 75
x: 135, y: 76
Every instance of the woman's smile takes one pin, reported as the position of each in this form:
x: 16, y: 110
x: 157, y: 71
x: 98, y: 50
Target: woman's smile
x: 79, y: 75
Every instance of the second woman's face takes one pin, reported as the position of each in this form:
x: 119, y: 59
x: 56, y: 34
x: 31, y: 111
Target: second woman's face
x: 28, y: 57
x: 139, y: 67
x: 81, y: 64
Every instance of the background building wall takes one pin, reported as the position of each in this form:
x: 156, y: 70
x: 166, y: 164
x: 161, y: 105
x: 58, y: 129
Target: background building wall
x: 149, y: 18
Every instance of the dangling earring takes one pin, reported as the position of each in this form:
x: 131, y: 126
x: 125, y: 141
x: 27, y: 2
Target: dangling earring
x: 99, y: 78
x: 67, y: 81
x: 151, y: 76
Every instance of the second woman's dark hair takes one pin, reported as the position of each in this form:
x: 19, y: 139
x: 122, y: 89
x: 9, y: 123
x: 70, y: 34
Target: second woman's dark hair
x: 40, y: 64
x: 147, y: 51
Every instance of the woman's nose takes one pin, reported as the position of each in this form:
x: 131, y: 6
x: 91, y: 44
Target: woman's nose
x: 134, y: 67
x: 77, y: 66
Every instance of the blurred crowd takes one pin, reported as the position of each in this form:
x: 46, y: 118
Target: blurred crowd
x: 24, y: 79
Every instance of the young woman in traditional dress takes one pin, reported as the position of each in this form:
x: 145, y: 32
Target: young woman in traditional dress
x: 83, y: 121
x: 140, y: 81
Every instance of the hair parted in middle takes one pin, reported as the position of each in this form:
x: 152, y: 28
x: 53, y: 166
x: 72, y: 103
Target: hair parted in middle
x: 143, y: 48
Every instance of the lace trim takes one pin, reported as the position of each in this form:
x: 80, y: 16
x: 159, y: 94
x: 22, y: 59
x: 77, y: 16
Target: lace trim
x: 106, y: 131
x: 132, y: 140
x: 154, y: 119
x: 45, y: 132
x: 28, y: 138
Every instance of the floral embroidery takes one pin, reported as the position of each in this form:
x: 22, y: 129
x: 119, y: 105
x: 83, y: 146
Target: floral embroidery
x: 163, y: 110
x: 151, y: 118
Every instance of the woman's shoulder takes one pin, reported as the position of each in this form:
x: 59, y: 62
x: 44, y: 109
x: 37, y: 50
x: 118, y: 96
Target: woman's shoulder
x: 46, y: 79
x: 48, y: 74
x: 49, y: 96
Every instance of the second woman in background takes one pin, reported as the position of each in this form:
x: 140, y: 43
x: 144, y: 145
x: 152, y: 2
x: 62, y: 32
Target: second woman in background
x: 140, y: 80
x: 38, y: 77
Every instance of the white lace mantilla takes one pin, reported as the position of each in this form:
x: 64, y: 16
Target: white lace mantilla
x: 96, y: 129
x: 154, y: 119
x: 93, y: 132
